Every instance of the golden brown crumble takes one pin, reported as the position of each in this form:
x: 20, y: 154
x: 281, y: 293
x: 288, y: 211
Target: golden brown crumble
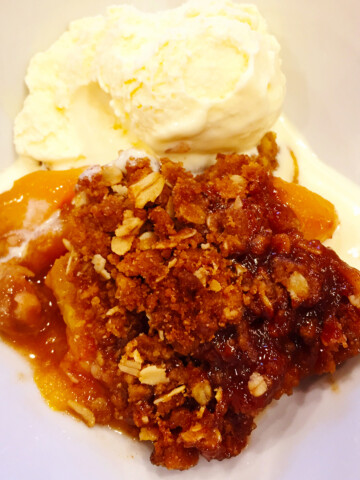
x: 192, y: 302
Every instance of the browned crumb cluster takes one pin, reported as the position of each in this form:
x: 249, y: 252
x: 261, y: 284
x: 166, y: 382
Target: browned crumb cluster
x: 195, y: 301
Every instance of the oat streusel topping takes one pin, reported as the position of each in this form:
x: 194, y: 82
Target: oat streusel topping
x: 203, y: 298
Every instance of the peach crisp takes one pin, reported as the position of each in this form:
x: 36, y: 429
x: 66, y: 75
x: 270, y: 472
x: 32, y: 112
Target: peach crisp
x: 180, y: 306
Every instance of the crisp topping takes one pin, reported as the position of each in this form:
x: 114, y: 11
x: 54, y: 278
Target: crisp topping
x: 215, y: 302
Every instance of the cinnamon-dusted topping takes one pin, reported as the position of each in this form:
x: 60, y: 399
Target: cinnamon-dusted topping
x: 216, y: 304
x: 213, y: 275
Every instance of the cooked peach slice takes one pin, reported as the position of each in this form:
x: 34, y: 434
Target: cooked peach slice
x: 34, y: 197
x: 24, y: 209
x: 317, y: 216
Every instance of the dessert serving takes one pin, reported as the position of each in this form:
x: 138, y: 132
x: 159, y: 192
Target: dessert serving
x: 189, y: 302
x: 174, y: 290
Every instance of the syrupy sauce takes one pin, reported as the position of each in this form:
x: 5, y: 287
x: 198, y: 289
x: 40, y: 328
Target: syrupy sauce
x: 46, y: 350
x: 47, y: 346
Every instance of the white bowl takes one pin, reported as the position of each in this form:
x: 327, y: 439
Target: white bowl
x: 314, y: 434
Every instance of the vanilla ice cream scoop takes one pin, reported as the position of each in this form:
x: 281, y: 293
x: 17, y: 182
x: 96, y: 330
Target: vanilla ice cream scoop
x: 187, y: 83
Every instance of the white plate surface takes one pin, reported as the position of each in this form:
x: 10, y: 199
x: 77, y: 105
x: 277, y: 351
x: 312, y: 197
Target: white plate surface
x: 314, y: 434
